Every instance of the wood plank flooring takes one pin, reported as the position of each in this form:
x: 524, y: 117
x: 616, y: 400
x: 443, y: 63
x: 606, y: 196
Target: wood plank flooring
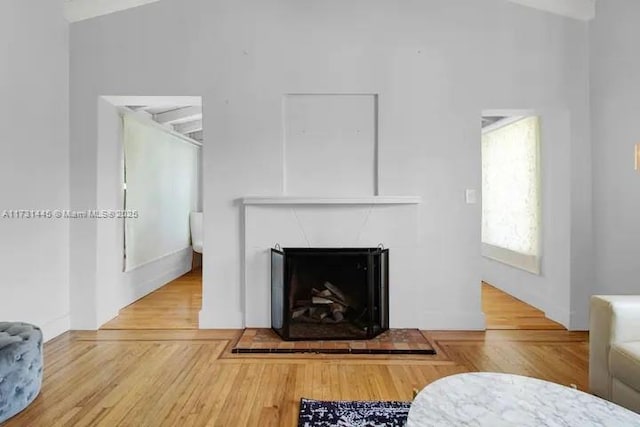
x: 502, y: 311
x: 174, y: 306
x: 183, y: 377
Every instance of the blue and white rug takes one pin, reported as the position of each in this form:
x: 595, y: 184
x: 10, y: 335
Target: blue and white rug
x: 318, y: 413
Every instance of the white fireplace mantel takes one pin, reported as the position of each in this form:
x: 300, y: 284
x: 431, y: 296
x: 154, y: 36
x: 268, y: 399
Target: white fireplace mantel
x: 338, y: 222
x: 301, y: 200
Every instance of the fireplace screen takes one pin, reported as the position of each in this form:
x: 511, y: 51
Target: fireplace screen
x: 329, y: 293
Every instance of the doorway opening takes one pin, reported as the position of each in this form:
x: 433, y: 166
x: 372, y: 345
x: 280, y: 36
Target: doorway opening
x: 511, y: 242
x: 150, y: 170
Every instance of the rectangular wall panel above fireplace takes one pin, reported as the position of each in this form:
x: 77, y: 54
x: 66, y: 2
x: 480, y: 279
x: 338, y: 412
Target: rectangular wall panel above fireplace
x: 329, y: 293
x: 330, y: 144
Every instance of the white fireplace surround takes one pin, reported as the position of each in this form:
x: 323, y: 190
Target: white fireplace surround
x: 332, y: 222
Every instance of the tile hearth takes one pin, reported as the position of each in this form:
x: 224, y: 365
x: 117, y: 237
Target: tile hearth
x: 394, y: 341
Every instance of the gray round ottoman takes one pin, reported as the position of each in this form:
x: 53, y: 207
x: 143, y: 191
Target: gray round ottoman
x: 20, y: 367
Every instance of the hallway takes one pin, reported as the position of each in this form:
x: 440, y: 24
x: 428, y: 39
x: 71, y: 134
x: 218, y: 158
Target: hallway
x: 502, y: 311
x: 174, y: 306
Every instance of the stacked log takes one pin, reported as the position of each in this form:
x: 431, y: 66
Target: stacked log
x: 328, y: 305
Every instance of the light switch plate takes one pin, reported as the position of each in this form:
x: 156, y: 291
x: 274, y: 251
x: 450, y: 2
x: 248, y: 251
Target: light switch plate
x: 470, y: 196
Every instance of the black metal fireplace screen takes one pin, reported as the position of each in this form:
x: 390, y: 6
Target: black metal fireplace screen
x: 329, y: 293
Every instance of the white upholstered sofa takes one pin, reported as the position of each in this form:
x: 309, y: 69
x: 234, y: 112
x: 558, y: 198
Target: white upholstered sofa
x: 614, y: 349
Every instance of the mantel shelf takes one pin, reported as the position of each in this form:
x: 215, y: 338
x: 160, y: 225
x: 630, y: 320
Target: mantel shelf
x: 299, y: 200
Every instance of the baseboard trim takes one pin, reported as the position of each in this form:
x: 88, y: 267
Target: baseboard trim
x: 55, y: 327
x: 157, y: 282
x: 557, y: 314
x: 579, y: 322
x: 221, y: 319
x: 143, y: 289
x: 453, y: 321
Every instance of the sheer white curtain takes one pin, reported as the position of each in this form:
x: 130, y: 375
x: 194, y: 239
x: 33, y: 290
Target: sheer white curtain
x: 161, y: 172
x: 511, y: 194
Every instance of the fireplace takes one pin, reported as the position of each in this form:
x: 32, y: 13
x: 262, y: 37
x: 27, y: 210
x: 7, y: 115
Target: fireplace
x: 329, y: 293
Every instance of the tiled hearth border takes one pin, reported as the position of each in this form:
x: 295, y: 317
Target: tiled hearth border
x: 395, y: 341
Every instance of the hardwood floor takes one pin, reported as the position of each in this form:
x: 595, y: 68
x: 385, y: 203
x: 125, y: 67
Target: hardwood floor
x: 502, y: 311
x: 174, y: 306
x: 182, y: 377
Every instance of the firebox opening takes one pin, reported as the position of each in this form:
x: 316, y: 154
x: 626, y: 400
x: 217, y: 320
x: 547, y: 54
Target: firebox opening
x: 330, y: 293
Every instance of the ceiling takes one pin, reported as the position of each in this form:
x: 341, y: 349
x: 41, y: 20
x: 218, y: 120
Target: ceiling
x: 78, y: 10
x: 186, y: 120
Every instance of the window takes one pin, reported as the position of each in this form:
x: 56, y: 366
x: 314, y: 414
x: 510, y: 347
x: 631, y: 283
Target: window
x: 511, y: 192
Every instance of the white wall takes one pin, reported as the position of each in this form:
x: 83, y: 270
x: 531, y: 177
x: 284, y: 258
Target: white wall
x: 34, y: 163
x: 116, y: 289
x: 435, y: 65
x: 615, y: 111
x: 582, y: 254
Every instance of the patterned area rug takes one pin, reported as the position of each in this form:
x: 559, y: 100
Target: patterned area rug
x: 318, y: 413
